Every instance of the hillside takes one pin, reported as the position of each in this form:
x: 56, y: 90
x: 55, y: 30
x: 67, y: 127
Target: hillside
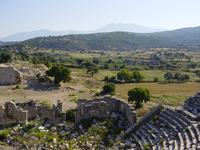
x: 113, y: 27
x: 119, y: 40
x: 101, y: 41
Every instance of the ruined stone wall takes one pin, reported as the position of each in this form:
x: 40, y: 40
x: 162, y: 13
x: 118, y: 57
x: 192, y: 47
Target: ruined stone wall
x: 12, y: 114
x: 36, y: 110
x: 9, y: 75
x: 102, y: 108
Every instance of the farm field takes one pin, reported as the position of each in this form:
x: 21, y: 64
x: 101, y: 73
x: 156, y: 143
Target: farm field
x: 167, y: 94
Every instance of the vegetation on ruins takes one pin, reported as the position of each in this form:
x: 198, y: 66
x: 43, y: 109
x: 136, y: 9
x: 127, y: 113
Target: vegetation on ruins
x: 59, y: 73
x: 139, y: 96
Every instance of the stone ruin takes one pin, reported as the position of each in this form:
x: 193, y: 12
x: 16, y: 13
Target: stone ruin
x: 40, y: 82
x: 20, y: 113
x: 37, y: 110
x: 169, y: 127
x: 10, y: 113
x: 9, y: 75
x: 162, y: 128
x: 102, y: 108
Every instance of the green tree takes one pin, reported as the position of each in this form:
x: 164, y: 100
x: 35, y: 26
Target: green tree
x: 124, y: 75
x: 59, y: 73
x: 108, y: 88
x: 168, y: 76
x: 139, y: 95
x: 91, y: 70
x: 5, y: 57
x: 183, y: 77
x: 137, y: 76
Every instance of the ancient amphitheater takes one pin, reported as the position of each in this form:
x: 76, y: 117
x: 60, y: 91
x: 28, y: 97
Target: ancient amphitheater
x: 170, y: 128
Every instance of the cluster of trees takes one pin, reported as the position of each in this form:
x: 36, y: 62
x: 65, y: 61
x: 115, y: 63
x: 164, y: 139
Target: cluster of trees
x: 176, y: 76
x: 126, y: 76
x: 5, y: 57
x: 59, y: 73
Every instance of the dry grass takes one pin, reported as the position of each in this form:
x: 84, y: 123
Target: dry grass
x: 171, y: 94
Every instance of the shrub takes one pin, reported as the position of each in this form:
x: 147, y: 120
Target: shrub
x: 17, y: 87
x: 4, y: 133
x: 137, y: 76
x: 70, y: 115
x: 155, y: 79
x: 108, y: 88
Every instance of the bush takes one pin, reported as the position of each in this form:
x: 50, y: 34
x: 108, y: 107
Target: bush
x: 17, y: 87
x: 108, y: 88
x: 155, y: 79
x: 70, y: 115
x: 137, y: 76
x: 4, y: 133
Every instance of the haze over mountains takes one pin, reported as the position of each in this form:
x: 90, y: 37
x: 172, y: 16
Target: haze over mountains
x: 107, y: 28
x: 181, y: 38
x: 120, y: 40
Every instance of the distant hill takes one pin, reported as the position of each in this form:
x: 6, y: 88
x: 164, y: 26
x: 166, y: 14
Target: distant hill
x: 126, y: 28
x: 187, y: 37
x: 101, y: 41
x: 107, y: 28
x: 6, y: 43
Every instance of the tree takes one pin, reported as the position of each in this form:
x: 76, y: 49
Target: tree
x: 168, y: 76
x: 91, y: 70
x: 59, y: 73
x: 137, y: 76
x: 124, y: 75
x: 5, y: 57
x: 183, y: 77
x: 139, y: 95
x: 95, y: 60
x: 108, y: 88
x: 176, y: 75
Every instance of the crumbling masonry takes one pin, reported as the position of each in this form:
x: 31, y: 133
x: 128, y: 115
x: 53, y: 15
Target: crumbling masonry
x: 20, y: 113
x: 102, y: 108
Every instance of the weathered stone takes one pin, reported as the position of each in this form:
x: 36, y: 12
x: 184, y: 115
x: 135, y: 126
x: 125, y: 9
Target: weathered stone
x: 9, y: 75
x: 12, y: 114
x: 102, y: 108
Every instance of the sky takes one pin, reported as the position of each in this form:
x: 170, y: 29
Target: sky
x: 28, y: 15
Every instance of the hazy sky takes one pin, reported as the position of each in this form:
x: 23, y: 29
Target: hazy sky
x: 27, y: 15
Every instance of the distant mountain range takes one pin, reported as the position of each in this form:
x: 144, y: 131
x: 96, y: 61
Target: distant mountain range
x: 180, y: 38
x: 107, y: 28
